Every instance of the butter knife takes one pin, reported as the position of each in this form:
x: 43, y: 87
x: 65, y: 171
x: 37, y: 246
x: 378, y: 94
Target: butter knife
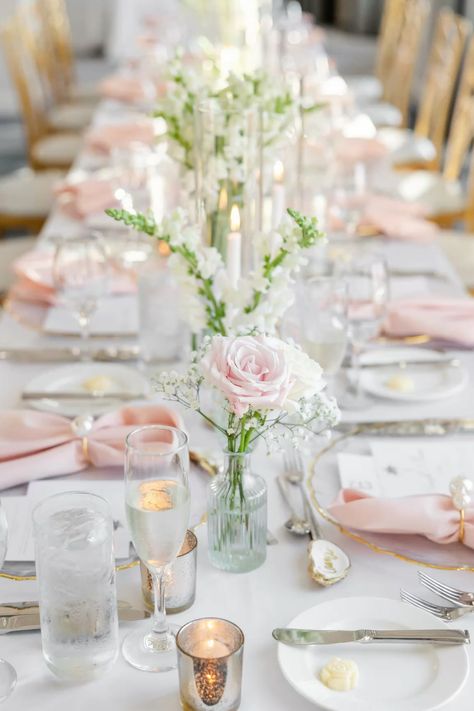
x: 409, y: 428
x: 453, y: 362
x: 94, y: 395
x: 301, y: 637
x: 24, y: 616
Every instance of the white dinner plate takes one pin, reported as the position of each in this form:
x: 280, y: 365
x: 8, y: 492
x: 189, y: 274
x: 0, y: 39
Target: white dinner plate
x: 71, y: 378
x: 430, y: 382
x: 392, y: 677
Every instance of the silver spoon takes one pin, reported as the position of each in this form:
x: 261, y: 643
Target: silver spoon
x: 295, y: 524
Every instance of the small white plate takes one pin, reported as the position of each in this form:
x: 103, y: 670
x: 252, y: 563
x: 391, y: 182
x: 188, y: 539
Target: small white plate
x: 430, y: 382
x: 71, y: 378
x: 392, y: 677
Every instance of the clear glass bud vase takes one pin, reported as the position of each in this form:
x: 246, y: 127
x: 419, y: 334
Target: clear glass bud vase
x: 237, y: 516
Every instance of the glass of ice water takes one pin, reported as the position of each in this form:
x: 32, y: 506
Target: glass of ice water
x: 157, y: 504
x: 76, y: 576
x: 322, y: 307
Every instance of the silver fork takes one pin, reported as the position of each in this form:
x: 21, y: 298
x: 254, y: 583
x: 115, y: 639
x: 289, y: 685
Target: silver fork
x: 454, y: 595
x: 294, y: 474
x: 449, y: 614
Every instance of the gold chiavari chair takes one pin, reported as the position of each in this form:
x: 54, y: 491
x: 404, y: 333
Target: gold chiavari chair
x: 371, y: 88
x: 45, y: 150
x: 422, y: 148
x: 394, y: 109
x: 61, y: 116
x: 443, y: 191
x: 57, y: 30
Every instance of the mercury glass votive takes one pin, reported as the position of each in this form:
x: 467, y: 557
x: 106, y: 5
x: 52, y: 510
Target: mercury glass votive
x: 180, y: 579
x: 210, y: 652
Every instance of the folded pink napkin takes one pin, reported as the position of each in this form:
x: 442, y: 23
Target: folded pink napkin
x: 86, y: 197
x: 128, y: 89
x: 34, y: 445
x: 445, y: 319
x: 399, y: 219
x: 429, y: 515
x: 104, y: 139
x: 34, y: 272
x: 358, y: 150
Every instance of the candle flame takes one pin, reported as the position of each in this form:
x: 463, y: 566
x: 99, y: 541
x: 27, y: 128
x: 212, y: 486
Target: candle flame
x: 234, y: 219
x: 278, y: 171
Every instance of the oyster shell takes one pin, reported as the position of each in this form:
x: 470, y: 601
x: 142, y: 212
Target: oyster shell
x: 327, y: 563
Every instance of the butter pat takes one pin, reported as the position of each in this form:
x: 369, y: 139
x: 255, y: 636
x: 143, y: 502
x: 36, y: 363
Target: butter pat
x: 402, y: 383
x: 340, y: 674
x: 99, y: 384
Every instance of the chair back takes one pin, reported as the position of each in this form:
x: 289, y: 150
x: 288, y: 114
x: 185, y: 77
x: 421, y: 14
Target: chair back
x: 389, y: 35
x: 57, y: 29
x: 400, y: 79
x: 442, y: 72
x: 26, y: 81
x: 461, y: 135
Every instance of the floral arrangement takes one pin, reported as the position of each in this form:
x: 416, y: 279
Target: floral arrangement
x: 264, y: 382
x: 210, y: 302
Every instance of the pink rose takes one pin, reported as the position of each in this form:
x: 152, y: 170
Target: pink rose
x: 252, y: 372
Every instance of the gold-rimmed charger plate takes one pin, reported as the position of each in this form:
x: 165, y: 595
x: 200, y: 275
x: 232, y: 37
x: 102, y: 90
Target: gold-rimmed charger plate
x: 323, y: 486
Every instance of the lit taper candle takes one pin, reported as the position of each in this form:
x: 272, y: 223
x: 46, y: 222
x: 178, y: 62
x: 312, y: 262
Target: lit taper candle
x: 234, y: 247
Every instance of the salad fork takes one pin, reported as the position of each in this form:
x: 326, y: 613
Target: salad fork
x: 454, y: 595
x: 448, y: 614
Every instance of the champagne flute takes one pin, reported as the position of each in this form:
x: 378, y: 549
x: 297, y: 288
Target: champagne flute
x: 7, y: 672
x: 157, y: 503
x: 368, y: 290
x: 80, y: 275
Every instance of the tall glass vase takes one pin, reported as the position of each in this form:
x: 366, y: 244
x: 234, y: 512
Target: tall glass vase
x: 227, y: 164
x: 237, y: 516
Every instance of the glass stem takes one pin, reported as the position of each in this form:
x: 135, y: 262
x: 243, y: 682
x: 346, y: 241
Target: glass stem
x: 160, y: 625
x: 355, y: 367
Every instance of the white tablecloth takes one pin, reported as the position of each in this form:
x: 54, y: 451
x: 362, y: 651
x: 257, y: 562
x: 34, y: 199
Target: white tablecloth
x: 258, y: 601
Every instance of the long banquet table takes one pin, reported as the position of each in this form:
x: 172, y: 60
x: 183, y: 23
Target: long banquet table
x: 258, y: 601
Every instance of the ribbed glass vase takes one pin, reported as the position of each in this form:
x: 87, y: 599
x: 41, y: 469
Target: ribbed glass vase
x: 237, y: 516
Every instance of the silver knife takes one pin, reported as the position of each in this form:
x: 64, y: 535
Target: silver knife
x: 301, y: 637
x: 430, y: 427
x: 24, y: 616
x: 69, y: 355
x: 453, y: 362
x: 94, y: 395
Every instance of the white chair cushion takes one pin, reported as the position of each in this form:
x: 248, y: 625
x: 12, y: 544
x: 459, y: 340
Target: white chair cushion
x: 28, y: 193
x: 60, y: 149
x: 441, y: 196
x: 70, y: 117
x: 10, y: 250
x: 405, y: 146
x: 85, y: 93
x: 384, y: 114
x: 364, y: 89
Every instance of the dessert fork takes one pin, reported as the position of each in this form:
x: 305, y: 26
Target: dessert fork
x: 454, y: 595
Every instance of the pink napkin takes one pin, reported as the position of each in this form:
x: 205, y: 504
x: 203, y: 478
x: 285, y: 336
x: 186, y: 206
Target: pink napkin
x: 128, y: 89
x: 399, y: 219
x: 34, y: 445
x: 429, y: 515
x: 78, y: 200
x: 34, y: 272
x: 104, y: 139
x: 359, y: 150
x: 446, y: 319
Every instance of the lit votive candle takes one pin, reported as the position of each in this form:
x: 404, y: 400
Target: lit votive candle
x: 278, y: 194
x: 210, y: 652
x: 234, y: 247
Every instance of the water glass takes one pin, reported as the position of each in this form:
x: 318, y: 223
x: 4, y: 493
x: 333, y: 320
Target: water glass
x: 7, y: 672
x: 210, y: 656
x: 322, y: 323
x: 76, y: 578
x: 81, y: 271
x: 180, y: 579
x: 349, y: 197
x: 162, y: 333
x: 367, y: 282
x: 157, y: 504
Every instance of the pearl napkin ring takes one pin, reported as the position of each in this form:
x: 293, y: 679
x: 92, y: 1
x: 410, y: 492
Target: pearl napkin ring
x: 460, y: 489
